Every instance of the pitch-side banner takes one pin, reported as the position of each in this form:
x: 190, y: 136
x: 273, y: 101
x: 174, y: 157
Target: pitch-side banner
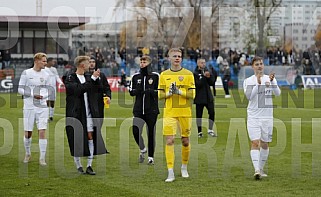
x: 311, y: 81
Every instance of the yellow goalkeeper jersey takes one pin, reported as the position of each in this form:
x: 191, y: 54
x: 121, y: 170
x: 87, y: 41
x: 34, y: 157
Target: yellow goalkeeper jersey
x: 177, y: 105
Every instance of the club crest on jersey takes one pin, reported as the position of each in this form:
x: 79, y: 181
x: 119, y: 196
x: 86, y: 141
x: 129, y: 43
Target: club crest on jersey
x: 181, y: 78
x: 139, y: 81
x: 267, y: 84
x: 150, y: 81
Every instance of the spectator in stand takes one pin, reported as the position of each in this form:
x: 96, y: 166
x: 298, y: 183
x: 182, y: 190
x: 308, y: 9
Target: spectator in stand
x: 123, y: 82
x: 6, y: 58
x: 226, y: 72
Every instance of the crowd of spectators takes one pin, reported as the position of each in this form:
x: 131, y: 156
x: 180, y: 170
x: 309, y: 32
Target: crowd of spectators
x: 112, y: 61
x: 127, y: 59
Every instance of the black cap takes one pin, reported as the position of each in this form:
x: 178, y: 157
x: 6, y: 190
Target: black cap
x: 146, y: 57
x: 92, y: 58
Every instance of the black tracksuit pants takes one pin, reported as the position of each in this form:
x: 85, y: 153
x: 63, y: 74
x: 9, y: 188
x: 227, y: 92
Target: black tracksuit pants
x: 199, y: 113
x: 138, y: 124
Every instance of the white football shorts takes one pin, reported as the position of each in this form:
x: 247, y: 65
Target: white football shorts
x: 38, y: 115
x: 260, y: 129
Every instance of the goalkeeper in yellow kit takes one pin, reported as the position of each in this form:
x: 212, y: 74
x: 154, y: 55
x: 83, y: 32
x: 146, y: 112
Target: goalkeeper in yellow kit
x: 176, y: 86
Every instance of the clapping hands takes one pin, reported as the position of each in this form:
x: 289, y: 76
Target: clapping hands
x: 272, y: 75
x: 173, y: 89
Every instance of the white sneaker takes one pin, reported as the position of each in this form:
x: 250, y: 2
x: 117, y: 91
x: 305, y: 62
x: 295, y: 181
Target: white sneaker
x: 150, y: 161
x: 257, y: 175
x: 27, y: 158
x: 184, y: 173
x: 141, y: 157
x: 227, y: 96
x: 212, y: 133
x: 171, y: 177
x: 42, y: 162
x: 263, y: 174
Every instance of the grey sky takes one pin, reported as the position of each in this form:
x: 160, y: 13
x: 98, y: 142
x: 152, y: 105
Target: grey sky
x: 102, y: 9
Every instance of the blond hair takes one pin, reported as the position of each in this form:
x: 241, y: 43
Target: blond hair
x: 81, y: 59
x: 201, y: 58
x: 39, y: 56
x: 174, y: 50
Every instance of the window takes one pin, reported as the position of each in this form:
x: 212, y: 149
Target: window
x: 39, y: 45
x: 51, y: 45
x: 63, y: 45
x: 27, y: 45
x: 40, y: 41
x: 16, y: 45
x: 28, y: 42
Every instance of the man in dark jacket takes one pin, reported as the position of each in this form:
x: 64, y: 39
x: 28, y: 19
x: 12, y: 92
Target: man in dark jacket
x: 84, y: 113
x: 214, y: 73
x: 103, y: 88
x: 204, y: 97
x: 144, y: 86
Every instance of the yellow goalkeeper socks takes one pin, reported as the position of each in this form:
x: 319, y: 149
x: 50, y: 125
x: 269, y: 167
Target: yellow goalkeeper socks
x: 169, y: 153
x: 185, y: 153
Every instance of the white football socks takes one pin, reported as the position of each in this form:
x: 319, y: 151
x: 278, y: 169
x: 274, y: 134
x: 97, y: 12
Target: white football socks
x: 255, y: 156
x: 27, y: 144
x: 42, y: 147
x: 77, y: 162
x: 264, y: 153
x: 91, y: 150
x: 51, y: 111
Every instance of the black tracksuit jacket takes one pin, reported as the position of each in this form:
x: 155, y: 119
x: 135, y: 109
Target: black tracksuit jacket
x: 144, y: 86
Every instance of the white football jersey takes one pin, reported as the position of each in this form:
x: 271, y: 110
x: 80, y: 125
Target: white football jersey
x: 53, y: 76
x: 260, y: 96
x: 33, y: 83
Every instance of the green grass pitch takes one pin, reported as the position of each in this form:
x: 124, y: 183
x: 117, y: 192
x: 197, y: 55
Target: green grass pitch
x: 218, y: 166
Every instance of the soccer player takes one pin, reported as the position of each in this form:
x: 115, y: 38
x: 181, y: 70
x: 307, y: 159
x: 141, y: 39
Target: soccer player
x: 176, y: 86
x: 258, y: 90
x: 82, y: 111
x: 33, y: 86
x: 53, y: 79
x: 204, y: 97
x: 144, y: 86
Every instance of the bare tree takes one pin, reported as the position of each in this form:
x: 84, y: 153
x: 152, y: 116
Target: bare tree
x: 181, y: 27
x: 264, y: 10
